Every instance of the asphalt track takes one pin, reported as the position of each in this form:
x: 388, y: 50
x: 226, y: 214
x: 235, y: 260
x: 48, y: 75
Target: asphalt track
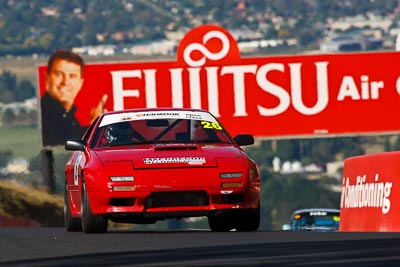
x: 56, y: 247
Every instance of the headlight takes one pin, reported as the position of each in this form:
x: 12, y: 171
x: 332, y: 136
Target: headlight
x: 122, y: 178
x: 230, y: 175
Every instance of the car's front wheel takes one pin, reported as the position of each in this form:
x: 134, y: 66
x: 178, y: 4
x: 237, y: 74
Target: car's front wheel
x: 248, y: 220
x: 220, y: 223
x: 71, y: 224
x: 91, y: 223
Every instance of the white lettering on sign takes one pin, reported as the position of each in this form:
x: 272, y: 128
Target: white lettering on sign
x: 398, y: 85
x: 368, y: 90
x: 197, y: 75
x: 119, y: 92
x: 363, y: 195
x: 238, y: 74
x: 296, y: 96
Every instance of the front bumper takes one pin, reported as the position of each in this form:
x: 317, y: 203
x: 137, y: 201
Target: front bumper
x: 169, y: 203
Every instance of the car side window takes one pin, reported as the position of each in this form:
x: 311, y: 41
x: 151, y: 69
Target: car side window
x: 88, y: 132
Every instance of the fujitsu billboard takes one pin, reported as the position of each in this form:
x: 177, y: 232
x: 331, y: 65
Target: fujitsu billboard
x: 269, y: 97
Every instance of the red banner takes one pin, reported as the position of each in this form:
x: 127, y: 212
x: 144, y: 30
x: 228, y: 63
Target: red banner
x: 370, y: 190
x: 270, y: 97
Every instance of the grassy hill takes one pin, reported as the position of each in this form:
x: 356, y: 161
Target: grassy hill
x: 22, y: 204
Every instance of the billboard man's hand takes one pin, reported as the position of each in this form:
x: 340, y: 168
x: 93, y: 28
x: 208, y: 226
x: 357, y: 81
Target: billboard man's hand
x: 96, y: 111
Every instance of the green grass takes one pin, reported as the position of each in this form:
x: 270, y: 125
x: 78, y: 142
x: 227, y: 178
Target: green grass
x: 22, y: 141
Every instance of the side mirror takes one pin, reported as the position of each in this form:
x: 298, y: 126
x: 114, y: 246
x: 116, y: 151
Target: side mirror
x: 75, y: 145
x: 244, y: 139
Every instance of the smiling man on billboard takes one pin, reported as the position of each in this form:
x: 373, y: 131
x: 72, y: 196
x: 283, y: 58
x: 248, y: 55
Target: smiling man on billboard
x: 64, y: 79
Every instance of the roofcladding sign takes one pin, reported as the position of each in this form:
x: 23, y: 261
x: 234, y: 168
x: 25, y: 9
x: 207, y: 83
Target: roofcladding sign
x: 370, y: 193
x: 270, y: 97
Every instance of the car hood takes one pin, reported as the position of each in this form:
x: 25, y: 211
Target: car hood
x: 169, y: 155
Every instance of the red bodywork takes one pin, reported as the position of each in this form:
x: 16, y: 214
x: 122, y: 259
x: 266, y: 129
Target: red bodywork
x: 170, y: 180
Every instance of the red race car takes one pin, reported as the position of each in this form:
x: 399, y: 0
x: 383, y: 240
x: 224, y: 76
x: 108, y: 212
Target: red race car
x: 145, y: 165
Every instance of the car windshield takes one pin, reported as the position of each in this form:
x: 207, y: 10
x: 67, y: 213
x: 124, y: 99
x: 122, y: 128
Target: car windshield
x: 314, y: 220
x: 163, y: 130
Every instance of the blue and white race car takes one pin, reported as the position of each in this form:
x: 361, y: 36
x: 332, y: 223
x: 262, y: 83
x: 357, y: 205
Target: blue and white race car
x: 314, y: 219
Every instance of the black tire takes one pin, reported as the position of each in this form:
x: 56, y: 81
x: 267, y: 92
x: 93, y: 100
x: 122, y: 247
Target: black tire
x: 91, y: 223
x: 248, y: 221
x: 71, y: 224
x: 220, y: 223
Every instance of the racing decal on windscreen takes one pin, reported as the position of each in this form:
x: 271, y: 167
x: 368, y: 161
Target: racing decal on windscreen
x: 211, y: 125
x: 188, y: 160
x: 152, y: 115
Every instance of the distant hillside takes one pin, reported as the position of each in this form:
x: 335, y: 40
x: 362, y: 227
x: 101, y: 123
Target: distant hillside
x: 38, y: 27
x: 25, y: 206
